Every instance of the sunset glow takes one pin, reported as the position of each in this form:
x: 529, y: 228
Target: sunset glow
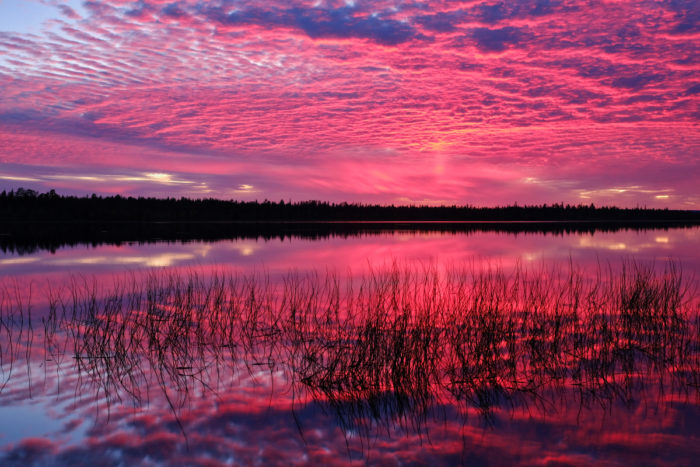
x: 438, y: 102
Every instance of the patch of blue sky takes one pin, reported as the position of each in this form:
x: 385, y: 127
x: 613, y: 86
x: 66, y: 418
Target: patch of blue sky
x: 29, y: 16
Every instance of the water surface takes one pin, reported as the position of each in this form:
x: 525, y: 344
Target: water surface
x: 399, y: 373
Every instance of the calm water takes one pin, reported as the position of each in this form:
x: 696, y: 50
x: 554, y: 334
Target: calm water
x: 145, y: 382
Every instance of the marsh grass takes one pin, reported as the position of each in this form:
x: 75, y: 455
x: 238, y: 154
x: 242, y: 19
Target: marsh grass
x: 383, y: 350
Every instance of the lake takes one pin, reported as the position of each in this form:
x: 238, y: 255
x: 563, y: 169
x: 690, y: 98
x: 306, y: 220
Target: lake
x: 363, y: 345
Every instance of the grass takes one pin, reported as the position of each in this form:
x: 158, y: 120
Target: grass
x: 381, y: 350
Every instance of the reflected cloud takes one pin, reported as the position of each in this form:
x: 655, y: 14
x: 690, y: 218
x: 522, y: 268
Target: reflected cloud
x: 246, y: 248
x: 631, y: 245
x: 164, y: 260
x: 154, y: 260
x: 144, y: 370
x: 532, y: 256
x: 591, y: 242
x: 341, y: 247
x: 25, y: 260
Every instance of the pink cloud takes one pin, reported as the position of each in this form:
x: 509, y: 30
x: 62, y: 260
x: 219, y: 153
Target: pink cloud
x: 291, y: 93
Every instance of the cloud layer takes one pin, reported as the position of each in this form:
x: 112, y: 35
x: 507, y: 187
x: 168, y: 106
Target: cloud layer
x: 388, y: 101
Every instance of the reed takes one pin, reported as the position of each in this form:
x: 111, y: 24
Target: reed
x: 381, y: 350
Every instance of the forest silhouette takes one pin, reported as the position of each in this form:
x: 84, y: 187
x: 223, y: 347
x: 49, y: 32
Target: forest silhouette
x: 26, y: 205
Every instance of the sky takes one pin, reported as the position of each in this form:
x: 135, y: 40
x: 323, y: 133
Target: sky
x: 405, y: 102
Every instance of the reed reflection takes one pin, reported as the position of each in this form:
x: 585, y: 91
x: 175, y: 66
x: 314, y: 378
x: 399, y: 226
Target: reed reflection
x: 396, y: 350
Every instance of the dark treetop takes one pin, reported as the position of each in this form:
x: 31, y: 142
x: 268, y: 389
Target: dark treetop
x: 25, y: 205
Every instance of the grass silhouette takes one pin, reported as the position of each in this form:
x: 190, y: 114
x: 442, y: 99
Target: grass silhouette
x: 385, y: 349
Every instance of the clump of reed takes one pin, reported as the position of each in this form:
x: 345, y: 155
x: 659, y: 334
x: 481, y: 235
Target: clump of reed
x: 383, y: 349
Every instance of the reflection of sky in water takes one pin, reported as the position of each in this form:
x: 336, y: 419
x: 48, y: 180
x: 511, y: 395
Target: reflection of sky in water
x: 246, y: 416
x: 28, y: 421
x: 240, y: 416
x: 359, y: 252
x: 237, y: 420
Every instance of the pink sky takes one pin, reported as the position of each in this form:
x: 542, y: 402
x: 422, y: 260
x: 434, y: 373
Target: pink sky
x: 475, y: 102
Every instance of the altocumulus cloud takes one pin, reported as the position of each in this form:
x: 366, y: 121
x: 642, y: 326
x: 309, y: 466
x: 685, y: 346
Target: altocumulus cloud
x: 368, y: 100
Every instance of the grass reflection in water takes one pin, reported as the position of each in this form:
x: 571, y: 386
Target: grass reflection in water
x: 391, y: 348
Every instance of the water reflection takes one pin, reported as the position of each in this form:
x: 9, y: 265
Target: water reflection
x: 30, y: 238
x: 401, y: 364
x: 382, y: 247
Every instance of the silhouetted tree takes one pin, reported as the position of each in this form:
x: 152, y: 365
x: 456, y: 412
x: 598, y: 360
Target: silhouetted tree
x: 25, y: 205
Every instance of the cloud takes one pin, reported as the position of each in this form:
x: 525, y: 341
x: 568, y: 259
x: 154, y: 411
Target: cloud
x: 173, y: 10
x: 636, y: 82
x: 212, y: 86
x: 692, y: 90
x: 492, y: 14
x: 321, y: 23
x: 495, y: 40
x: 687, y: 15
x: 68, y: 12
x: 441, y: 21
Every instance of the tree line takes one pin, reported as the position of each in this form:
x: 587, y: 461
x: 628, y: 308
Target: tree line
x: 25, y: 205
